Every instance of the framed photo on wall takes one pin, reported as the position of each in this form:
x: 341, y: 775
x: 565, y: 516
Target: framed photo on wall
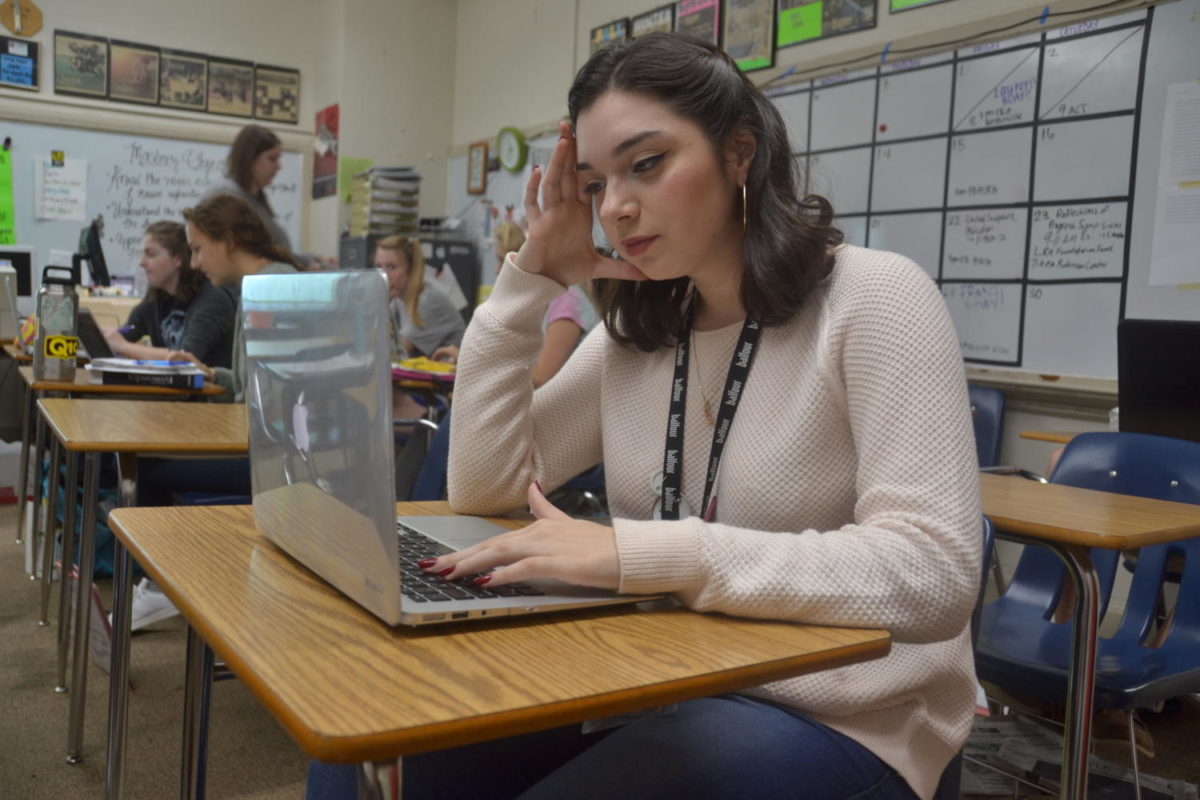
x: 133, y: 72
x: 19, y: 63
x: 183, y: 80
x: 477, y: 168
x: 276, y: 93
x: 700, y: 18
x: 749, y: 33
x: 661, y: 19
x: 230, y: 87
x: 80, y: 64
x: 604, y: 35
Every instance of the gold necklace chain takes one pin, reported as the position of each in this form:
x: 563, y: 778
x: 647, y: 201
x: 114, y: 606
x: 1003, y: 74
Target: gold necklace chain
x: 709, y: 416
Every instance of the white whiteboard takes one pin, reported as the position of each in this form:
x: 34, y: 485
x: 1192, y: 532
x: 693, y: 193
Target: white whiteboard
x: 132, y: 181
x: 1020, y: 174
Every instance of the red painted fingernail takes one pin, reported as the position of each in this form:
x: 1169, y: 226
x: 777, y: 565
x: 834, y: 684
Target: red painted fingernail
x: 446, y: 571
x: 426, y: 563
x: 482, y: 579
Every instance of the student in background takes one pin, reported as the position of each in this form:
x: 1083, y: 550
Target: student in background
x: 228, y: 242
x: 181, y: 310
x: 252, y: 163
x: 567, y: 321
x: 423, y: 318
x: 848, y: 485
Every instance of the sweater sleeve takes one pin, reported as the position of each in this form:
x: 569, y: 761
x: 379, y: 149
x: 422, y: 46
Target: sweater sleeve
x: 505, y: 435
x: 909, y: 562
x: 209, y: 322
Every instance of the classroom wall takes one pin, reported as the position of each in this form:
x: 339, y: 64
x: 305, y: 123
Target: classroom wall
x: 516, y: 58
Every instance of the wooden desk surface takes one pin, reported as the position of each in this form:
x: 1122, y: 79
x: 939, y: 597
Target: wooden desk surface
x: 83, y: 385
x: 348, y: 688
x: 1083, y: 516
x: 146, y: 426
x: 1057, y: 437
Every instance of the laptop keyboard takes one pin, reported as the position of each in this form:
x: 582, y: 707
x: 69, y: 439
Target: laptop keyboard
x: 422, y: 587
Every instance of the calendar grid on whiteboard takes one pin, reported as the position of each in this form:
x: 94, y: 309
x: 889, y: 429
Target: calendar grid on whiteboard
x: 996, y: 132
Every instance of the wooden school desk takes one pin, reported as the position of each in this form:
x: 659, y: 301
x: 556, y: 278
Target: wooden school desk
x: 82, y: 385
x: 1068, y: 522
x: 348, y: 688
x: 1055, y: 437
x: 129, y: 428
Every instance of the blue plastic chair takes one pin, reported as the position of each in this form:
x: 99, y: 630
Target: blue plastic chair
x: 987, y: 414
x: 1020, y: 647
x: 431, y: 479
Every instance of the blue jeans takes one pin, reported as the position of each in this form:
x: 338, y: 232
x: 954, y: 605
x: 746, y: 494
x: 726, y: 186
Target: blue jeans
x: 724, y: 748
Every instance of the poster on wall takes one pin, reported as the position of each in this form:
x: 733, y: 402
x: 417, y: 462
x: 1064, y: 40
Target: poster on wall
x: 18, y: 63
x: 80, y: 64
x: 230, y: 87
x: 276, y: 93
x: 700, y: 18
x: 802, y: 21
x: 325, y: 153
x: 660, y: 20
x: 133, y: 72
x: 749, y: 33
x: 183, y: 80
x: 615, y: 31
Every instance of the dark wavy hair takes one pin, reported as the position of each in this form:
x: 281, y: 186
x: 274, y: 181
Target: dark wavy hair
x: 229, y: 219
x: 250, y: 143
x: 787, y: 245
x: 172, y: 237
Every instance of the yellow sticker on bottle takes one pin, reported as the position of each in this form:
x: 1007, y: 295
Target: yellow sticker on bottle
x: 61, y: 346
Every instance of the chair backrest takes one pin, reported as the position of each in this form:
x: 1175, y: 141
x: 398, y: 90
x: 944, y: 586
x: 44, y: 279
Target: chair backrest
x: 431, y: 480
x: 989, y: 538
x: 1123, y: 463
x: 987, y: 414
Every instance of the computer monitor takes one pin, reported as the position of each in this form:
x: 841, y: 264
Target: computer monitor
x: 1158, y: 367
x: 91, y: 249
x: 24, y: 262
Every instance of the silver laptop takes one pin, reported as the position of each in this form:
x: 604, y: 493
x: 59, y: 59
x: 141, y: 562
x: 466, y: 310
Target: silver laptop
x: 319, y: 397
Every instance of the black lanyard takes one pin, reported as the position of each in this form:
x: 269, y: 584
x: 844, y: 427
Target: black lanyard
x: 735, y: 385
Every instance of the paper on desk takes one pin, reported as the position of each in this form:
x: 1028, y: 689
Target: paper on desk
x: 1175, y: 255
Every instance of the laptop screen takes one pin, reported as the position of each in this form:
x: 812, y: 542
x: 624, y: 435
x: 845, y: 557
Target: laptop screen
x: 318, y: 395
x: 1158, y: 364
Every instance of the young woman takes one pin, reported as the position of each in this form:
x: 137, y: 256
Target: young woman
x: 846, y: 492
x: 228, y: 243
x: 423, y: 318
x: 181, y: 311
x: 568, y: 319
x: 252, y: 163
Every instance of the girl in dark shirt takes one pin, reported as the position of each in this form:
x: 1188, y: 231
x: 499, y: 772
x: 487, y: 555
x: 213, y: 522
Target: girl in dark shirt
x: 181, y: 311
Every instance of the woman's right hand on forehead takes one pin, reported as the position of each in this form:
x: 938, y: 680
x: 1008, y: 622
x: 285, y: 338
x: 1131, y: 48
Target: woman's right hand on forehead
x: 559, y: 244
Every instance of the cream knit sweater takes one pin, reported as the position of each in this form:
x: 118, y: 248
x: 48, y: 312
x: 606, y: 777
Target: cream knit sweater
x: 849, y: 490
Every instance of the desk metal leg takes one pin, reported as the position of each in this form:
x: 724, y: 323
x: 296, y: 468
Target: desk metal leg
x: 380, y: 780
x: 197, y: 689
x: 83, y: 597
x: 118, y: 691
x: 39, y: 454
x: 48, y: 537
x: 68, y: 558
x: 23, y: 478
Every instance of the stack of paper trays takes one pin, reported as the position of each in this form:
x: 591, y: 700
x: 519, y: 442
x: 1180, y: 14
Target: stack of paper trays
x: 384, y: 200
x: 139, y: 372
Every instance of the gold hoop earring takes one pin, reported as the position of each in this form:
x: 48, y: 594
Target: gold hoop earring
x: 743, y: 207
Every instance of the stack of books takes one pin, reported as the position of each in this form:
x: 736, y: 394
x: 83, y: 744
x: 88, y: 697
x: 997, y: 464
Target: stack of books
x: 138, y: 372
x: 383, y: 202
